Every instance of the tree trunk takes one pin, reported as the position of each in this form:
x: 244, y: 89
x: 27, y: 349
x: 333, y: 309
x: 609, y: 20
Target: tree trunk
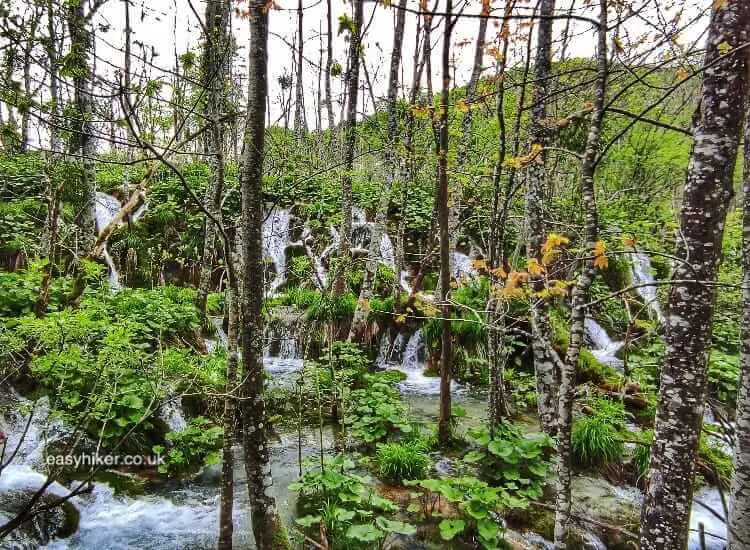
x: 708, y: 190
x: 267, y: 527
x: 350, y: 138
x: 329, y: 66
x: 299, y: 100
x: 81, y: 140
x: 444, y: 420
x: 498, y: 407
x: 379, y: 227
x: 216, y: 56
x: 580, y: 294
x: 739, y: 500
x: 547, y: 379
x: 226, y: 524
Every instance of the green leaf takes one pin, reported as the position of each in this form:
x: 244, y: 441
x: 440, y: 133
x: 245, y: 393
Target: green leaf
x: 308, y: 521
x: 364, y: 533
x: 392, y: 526
x: 449, y: 528
x: 488, y: 529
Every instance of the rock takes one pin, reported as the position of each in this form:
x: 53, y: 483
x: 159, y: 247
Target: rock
x: 60, y: 521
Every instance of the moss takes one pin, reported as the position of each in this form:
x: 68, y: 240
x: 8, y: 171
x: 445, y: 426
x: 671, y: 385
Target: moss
x: 560, y: 330
x: 534, y: 518
x: 280, y: 536
x: 590, y: 369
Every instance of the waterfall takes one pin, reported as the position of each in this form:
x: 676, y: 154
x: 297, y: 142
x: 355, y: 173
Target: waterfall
x: 413, y: 365
x: 282, y: 355
x: 27, y: 437
x: 386, y: 250
x: 601, y: 345
x: 172, y: 415
x: 462, y: 266
x: 641, y: 273
x: 275, y: 242
x: 106, y: 208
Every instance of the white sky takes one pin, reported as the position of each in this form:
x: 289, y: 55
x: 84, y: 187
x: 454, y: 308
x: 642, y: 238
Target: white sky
x: 154, y: 25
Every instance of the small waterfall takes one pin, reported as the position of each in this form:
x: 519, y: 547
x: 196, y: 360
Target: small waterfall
x: 600, y: 344
x: 172, y: 415
x: 106, y: 208
x: 641, y: 273
x: 28, y: 436
x: 282, y: 355
x: 462, y: 266
x: 275, y: 242
x: 413, y: 365
x: 387, y: 253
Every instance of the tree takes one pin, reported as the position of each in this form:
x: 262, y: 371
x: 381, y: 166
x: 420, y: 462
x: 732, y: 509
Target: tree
x: 547, y: 377
x: 444, y: 420
x: 82, y: 143
x: 378, y: 228
x: 216, y: 58
x: 708, y: 190
x: 350, y: 139
x: 267, y: 527
x: 739, y: 502
x: 566, y: 392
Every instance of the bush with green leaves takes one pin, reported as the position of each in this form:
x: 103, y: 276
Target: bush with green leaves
x: 477, y: 508
x: 516, y: 462
x: 397, y: 462
x: 376, y: 411
x: 341, y: 504
x: 190, y: 449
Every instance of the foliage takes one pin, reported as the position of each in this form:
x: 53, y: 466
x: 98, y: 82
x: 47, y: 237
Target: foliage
x: 595, y: 442
x: 516, y: 462
x: 338, y: 503
x: 20, y: 289
x: 377, y: 412
x: 189, y: 449
x: 477, y: 506
x: 400, y: 461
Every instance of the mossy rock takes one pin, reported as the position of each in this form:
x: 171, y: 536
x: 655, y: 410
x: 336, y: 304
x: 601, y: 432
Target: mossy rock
x: 590, y: 369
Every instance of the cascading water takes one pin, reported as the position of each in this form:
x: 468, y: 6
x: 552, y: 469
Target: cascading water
x: 172, y: 415
x: 275, y: 243
x: 601, y: 345
x: 462, y: 266
x: 705, y: 503
x: 413, y: 365
x: 106, y: 207
x: 641, y: 274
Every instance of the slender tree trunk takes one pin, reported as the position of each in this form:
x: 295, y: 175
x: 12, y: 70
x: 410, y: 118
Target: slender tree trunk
x: 498, y: 407
x: 216, y: 57
x: 547, y: 379
x: 350, y: 138
x: 267, y: 527
x: 739, y: 501
x: 226, y: 524
x: 299, y: 100
x: 378, y: 228
x: 329, y: 66
x: 708, y: 190
x: 82, y: 141
x: 444, y: 420
x: 27, y: 84
x: 580, y: 294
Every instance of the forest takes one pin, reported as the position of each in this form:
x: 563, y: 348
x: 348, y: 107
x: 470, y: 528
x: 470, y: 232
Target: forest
x: 398, y: 274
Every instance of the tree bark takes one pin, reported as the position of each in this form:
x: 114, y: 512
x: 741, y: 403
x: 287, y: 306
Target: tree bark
x: 216, y: 56
x: 350, y: 138
x: 378, y: 228
x: 708, y: 191
x: 226, y: 524
x: 444, y: 420
x: 329, y: 66
x: 82, y: 143
x: 299, y: 100
x: 739, y: 500
x: 267, y: 527
x: 580, y: 294
x: 547, y: 377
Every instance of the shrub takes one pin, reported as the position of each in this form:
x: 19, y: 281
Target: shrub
x: 190, y: 449
x: 401, y: 461
x: 339, y: 504
x: 377, y: 411
x: 595, y: 442
x: 516, y: 462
